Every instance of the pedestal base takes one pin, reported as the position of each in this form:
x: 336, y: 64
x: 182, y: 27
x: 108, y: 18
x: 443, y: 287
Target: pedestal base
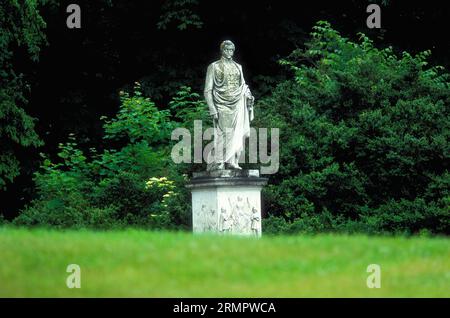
x: 227, y: 202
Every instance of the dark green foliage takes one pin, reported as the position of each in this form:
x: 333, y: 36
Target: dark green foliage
x: 371, y: 142
x: 20, y: 30
x: 409, y: 216
x: 188, y: 106
x: 2, y: 220
x: 180, y: 12
x: 139, y: 120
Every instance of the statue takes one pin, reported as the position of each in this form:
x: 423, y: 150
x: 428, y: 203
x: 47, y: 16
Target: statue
x: 230, y: 104
x: 239, y: 211
x: 226, y: 221
x: 255, y: 219
x: 225, y: 186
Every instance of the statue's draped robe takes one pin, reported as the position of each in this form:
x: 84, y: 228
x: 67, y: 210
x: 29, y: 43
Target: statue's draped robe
x: 225, y: 81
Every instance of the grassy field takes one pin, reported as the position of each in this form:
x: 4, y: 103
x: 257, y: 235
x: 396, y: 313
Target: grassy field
x: 135, y: 263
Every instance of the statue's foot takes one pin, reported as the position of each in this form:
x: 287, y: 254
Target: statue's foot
x: 234, y: 166
x: 215, y: 166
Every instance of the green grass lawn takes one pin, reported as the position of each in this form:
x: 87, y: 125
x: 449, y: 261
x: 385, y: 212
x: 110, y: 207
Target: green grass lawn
x: 136, y: 263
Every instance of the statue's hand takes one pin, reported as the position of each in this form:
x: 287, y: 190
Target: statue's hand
x: 248, y: 93
x: 249, y: 97
x: 250, y: 102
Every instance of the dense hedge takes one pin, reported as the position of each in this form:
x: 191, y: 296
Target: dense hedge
x: 364, y: 140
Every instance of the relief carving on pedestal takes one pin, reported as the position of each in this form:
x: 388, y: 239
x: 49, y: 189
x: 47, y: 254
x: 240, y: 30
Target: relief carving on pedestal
x: 226, y: 221
x: 205, y: 219
x: 239, y: 217
x: 255, y: 219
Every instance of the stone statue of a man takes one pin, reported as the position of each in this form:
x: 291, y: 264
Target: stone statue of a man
x: 230, y: 104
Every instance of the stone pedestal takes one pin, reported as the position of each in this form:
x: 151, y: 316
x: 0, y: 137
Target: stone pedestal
x: 227, y: 202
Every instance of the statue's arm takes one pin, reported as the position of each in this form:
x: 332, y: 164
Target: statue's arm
x: 209, y: 83
x: 248, y: 93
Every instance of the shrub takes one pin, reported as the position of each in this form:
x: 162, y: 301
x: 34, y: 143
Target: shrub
x: 371, y: 138
x: 122, y: 185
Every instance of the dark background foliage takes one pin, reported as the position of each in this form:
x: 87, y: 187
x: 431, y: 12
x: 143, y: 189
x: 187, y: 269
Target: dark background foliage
x: 164, y: 45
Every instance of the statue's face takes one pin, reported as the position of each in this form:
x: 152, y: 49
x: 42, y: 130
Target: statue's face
x: 228, y: 52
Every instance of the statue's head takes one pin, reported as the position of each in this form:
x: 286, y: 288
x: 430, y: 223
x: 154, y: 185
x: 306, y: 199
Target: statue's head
x: 227, y: 49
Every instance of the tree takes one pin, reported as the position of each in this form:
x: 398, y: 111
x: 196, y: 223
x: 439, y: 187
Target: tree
x: 20, y: 35
x: 180, y: 12
x: 371, y: 148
